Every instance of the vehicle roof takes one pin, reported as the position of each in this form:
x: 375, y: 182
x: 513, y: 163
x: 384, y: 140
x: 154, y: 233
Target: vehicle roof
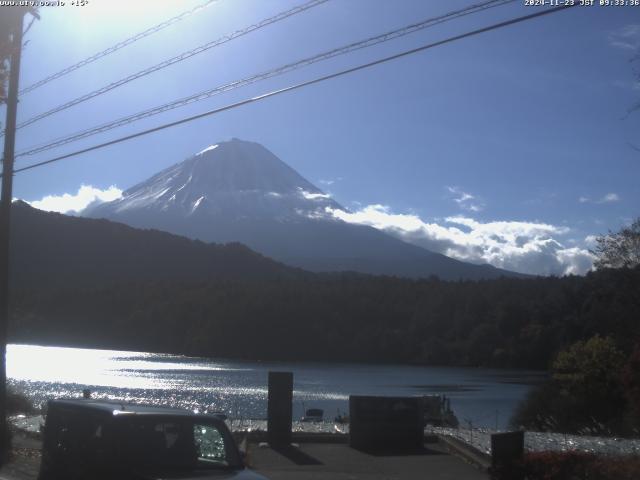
x: 117, y: 408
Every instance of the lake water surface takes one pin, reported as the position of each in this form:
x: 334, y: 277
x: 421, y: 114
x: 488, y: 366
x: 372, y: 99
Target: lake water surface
x: 485, y: 397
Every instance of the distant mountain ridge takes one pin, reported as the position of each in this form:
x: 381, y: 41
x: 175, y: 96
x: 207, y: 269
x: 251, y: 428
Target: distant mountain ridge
x: 238, y: 191
x: 59, y: 251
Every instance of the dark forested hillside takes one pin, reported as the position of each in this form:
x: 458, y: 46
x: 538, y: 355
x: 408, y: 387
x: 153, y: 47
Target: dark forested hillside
x: 49, y: 249
x: 102, y: 284
x: 506, y: 322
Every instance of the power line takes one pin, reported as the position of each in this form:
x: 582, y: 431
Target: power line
x: 179, y: 58
x: 368, y: 42
x: 117, y: 46
x: 299, y: 85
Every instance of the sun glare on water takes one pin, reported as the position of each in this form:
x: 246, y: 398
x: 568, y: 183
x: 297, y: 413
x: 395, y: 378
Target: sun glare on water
x: 108, y: 368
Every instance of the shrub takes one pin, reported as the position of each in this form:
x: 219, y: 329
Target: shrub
x: 585, y: 394
x: 557, y: 466
x: 573, y: 466
x: 18, y: 403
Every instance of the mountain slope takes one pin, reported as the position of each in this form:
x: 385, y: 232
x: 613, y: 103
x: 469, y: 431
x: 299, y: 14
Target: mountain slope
x: 239, y: 191
x: 50, y: 249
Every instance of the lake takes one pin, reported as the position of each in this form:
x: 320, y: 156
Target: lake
x: 484, y: 397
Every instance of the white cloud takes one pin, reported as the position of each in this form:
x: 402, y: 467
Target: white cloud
x: 465, y: 200
x: 608, y: 198
x: 526, y: 247
x: 590, y: 241
x: 67, y: 203
x: 627, y: 84
x: 576, y: 261
x: 379, y: 216
x: 313, y: 196
x: 626, y: 38
x: 330, y: 181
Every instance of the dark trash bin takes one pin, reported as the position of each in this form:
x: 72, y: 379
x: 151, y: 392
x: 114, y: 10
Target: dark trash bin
x: 385, y: 423
x: 507, y: 452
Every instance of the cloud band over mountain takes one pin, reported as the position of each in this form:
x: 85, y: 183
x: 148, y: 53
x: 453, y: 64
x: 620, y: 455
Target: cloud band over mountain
x: 524, y: 247
x: 74, y: 203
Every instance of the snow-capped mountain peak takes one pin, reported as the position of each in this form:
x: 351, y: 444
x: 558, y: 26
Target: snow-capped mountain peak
x: 239, y: 191
x: 228, y: 179
x: 210, y: 147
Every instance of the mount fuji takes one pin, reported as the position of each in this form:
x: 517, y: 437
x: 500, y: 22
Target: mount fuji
x: 238, y: 191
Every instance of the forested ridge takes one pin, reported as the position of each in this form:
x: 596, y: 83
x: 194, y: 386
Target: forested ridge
x: 520, y: 323
x: 102, y: 284
x: 51, y: 249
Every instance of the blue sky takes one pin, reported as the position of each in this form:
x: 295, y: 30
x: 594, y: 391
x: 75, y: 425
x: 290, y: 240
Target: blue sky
x: 513, y: 147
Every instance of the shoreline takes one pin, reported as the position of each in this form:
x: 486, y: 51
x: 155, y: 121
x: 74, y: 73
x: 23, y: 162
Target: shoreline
x: 476, y: 441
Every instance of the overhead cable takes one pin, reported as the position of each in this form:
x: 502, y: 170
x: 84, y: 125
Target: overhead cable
x: 273, y: 93
x: 368, y: 42
x: 116, y: 47
x: 171, y: 61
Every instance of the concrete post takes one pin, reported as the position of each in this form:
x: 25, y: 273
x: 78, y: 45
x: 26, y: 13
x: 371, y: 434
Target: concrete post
x: 279, y: 408
x: 507, y: 450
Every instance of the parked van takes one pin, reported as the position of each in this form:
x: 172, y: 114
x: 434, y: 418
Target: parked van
x: 100, y: 440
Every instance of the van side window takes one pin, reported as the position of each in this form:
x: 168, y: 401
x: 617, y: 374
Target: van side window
x: 75, y: 443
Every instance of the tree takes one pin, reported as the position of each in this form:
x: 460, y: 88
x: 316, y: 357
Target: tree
x: 588, y: 373
x: 591, y: 367
x: 619, y: 250
x: 631, y: 382
x: 585, y: 394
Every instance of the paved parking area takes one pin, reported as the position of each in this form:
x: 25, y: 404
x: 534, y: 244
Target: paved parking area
x: 307, y: 461
x: 318, y: 461
x: 25, y: 459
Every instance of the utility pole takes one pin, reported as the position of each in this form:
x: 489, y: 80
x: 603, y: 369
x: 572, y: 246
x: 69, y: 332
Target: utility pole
x: 15, y: 34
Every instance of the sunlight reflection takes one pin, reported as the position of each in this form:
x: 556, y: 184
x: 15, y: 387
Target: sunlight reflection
x: 110, y: 368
